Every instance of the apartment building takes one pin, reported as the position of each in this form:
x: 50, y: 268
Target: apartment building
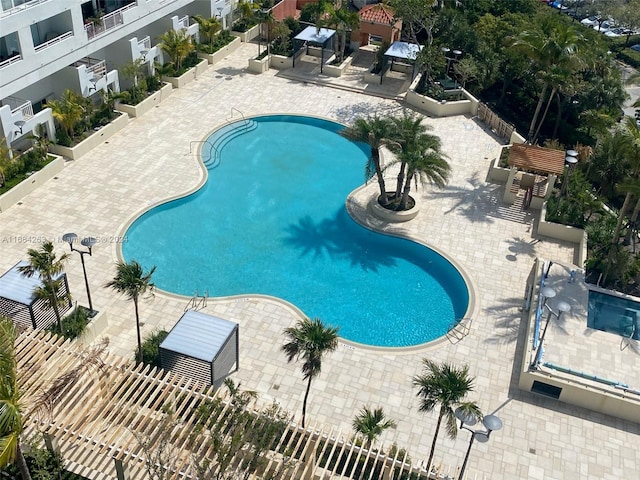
x: 47, y: 46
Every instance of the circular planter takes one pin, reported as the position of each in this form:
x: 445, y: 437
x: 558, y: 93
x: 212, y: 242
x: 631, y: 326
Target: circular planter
x: 392, y: 215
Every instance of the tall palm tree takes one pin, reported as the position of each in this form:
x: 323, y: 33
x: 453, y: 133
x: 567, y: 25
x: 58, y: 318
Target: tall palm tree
x: 556, y: 50
x: 48, y: 266
x: 445, y: 386
x: 132, y: 281
x: 376, y: 132
x: 371, y: 423
x: 343, y: 20
x: 11, y: 406
x: 428, y: 165
x: 68, y: 110
x: 309, y: 340
x: 208, y: 27
x: 176, y: 44
x: 631, y: 132
x: 407, y: 131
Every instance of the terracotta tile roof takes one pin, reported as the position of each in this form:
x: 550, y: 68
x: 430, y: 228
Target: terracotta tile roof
x: 377, y: 13
x: 536, y: 159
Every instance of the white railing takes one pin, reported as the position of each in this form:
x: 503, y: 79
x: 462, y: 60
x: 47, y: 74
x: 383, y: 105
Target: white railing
x: 22, y: 7
x: 9, y: 61
x: 53, y: 41
x: 184, y: 22
x: 19, y: 105
x: 145, y: 43
x: 107, y: 22
x: 98, y: 69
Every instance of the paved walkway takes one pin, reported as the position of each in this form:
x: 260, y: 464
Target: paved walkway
x: 149, y: 160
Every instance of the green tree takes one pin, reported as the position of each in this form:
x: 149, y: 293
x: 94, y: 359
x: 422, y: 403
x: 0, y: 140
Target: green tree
x: 134, y: 283
x: 344, y: 21
x: 309, y: 340
x: 371, y: 423
x: 68, y: 111
x: 376, y: 132
x: 208, y: 27
x: 418, y: 17
x: 47, y: 266
x: 445, y: 386
x: 555, y: 48
x: 176, y: 44
x: 631, y: 132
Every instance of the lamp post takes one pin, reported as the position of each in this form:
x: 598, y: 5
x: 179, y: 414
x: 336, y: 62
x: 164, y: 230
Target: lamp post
x: 88, y: 242
x: 563, y: 307
x: 571, y: 162
x: 491, y: 423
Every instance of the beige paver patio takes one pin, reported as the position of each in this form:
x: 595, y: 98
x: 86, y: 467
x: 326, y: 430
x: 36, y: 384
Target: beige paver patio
x: 149, y: 161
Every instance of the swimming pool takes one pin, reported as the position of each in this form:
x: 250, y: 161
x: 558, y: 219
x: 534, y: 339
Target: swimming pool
x: 271, y: 220
x: 614, y: 314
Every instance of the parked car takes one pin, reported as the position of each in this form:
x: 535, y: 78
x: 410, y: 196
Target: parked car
x: 590, y: 21
x: 635, y: 47
x: 604, y: 27
x: 618, y: 32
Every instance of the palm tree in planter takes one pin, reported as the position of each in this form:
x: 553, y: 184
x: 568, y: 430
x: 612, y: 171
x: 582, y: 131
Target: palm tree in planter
x: 309, y: 340
x: 69, y: 110
x: 176, y: 44
x: 343, y: 20
x: 376, y: 132
x: 48, y: 266
x: 445, y: 386
x: 132, y: 281
x: 371, y: 423
x: 426, y: 164
x: 208, y: 28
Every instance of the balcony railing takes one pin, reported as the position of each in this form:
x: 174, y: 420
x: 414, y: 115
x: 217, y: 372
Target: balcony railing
x: 19, y: 105
x: 107, y: 22
x: 22, y: 7
x: 96, y: 68
x: 145, y: 43
x: 9, y: 61
x: 184, y: 22
x: 53, y: 41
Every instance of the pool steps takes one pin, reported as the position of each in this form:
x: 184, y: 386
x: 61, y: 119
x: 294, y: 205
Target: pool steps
x: 224, y: 136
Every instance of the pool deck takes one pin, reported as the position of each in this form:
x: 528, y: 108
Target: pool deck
x: 149, y: 160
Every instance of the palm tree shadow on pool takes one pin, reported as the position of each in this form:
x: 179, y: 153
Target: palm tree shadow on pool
x: 326, y: 237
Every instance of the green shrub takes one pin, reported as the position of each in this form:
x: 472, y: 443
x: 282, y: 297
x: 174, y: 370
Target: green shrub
x: 244, y: 24
x: 221, y: 40
x: 73, y: 325
x: 630, y: 57
x: 150, y: 348
x: 43, y: 465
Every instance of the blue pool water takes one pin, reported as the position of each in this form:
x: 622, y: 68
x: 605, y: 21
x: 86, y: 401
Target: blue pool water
x: 614, y: 314
x: 271, y: 220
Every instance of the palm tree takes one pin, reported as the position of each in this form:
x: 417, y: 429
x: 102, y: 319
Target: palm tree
x: 11, y: 406
x: 631, y: 132
x: 208, y: 27
x: 15, y: 413
x: 47, y: 266
x: 343, y: 20
x: 176, y: 44
x: 407, y: 130
x: 68, y: 111
x: 371, y: 423
x: 309, y: 340
x: 426, y: 164
x: 376, y: 132
x: 132, y: 281
x: 556, y: 50
x: 445, y: 386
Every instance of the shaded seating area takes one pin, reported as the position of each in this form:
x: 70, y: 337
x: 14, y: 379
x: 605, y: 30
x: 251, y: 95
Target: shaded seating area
x: 19, y: 303
x: 533, y: 173
x: 203, y: 347
x: 400, y: 57
x: 321, y: 38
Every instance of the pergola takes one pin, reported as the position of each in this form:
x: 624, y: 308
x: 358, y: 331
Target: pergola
x: 319, y: 37
x: 18, y: 300
x: 108, y: 422
x: 401, y: 51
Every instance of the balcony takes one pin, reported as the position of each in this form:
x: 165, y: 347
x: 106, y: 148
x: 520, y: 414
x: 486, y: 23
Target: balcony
x: 21, y: 8
x: 53, y: 41
x: 21, y: 109
x: 10, y: 61
x: 107, y: 22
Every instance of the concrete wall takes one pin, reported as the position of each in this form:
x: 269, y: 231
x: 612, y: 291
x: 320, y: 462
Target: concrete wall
x: 148, y: 103
x: 215, y: 57
x: 249, y: 35
x: 284, y: 9
x: 92, y: 141
x: 187, y: 77
x: 28, y: 185
x: 443, y: 108
x: 280, y: 62
x: 259, y: 66
x: 337, y: 70
x: 564, y: 232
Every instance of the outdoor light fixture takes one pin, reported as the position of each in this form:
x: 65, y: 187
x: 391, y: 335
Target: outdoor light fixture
x: 19, y: 124
x: 93, y: 81
x: 563, y: 307
x: 88, y: 242
x: 144, y: 52
x: 491, y: 423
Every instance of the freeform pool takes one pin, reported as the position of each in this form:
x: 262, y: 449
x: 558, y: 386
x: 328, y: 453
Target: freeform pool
x: 271, y: 220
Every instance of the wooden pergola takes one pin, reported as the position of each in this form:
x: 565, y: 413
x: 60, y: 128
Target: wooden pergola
x: 106, y: 424
x: 539, y: 160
